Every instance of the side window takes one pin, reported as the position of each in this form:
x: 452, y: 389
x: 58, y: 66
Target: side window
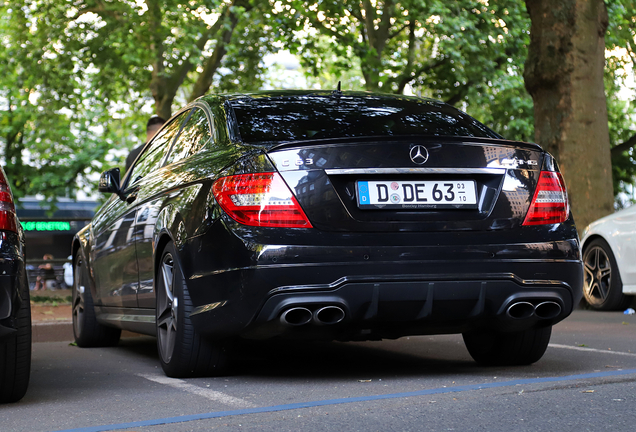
x: 152, y: 156
x: 195, y: 135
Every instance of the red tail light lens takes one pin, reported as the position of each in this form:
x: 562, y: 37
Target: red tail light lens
x: 8, y: 219
x: 550, y: 202
x: 262, y: 200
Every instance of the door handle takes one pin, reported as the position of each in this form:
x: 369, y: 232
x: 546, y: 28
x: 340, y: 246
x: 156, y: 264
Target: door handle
x: 131, y: 198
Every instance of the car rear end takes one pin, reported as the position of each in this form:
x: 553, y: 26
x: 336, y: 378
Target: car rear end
x: 382, y: 217
x: 15, y: 308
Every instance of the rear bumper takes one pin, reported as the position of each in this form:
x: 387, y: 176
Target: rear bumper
x: 387, y: 292
x: 395, y: 308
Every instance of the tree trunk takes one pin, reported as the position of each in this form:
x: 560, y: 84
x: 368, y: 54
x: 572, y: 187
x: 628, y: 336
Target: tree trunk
x: 376, y: 30
x: 564, y: 76
x: 158, y: 80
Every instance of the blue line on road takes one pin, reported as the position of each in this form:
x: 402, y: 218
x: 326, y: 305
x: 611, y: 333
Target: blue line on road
x: 300, y: 405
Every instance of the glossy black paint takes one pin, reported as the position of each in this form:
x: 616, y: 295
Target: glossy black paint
x: 393, y: 272
x: 109, y: 181
x: 13, y: 280
x: 507, y: 185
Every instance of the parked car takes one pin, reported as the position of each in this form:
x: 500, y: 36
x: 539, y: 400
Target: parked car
x: 328, y: 215
x: 609, y: 255
x: 15, y: 306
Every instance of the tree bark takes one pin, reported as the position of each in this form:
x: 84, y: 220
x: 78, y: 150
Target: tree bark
x: 158, y: 80
x: 376, y: 38
x: 564, y: 76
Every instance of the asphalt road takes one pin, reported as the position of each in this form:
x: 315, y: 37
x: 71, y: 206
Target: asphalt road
x: 585, y: 382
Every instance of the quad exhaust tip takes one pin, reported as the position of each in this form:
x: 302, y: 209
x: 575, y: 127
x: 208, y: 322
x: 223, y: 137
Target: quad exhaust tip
x: 329, y: 315
x: 544, y: 310
x: 296, y: 316
x: 326, y: 315
x: 547, y: 310
x: 520, y: 310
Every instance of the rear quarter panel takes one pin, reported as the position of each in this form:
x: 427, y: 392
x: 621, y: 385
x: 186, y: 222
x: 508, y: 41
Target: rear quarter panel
x: 179, y: 205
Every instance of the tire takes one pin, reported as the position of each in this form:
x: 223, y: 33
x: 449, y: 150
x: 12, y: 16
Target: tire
x: 88, y: 332
x: 508, y: 349
x: 602, y: 285
x: 15, y: 353
x: 182, y: 351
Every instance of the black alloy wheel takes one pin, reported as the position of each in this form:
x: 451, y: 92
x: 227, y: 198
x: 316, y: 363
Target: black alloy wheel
x: 508, y: 349
x: 182, y: 351
x: 88, y: 332
x: 167, y: 310
x: 602, y: 286
x: 15, y: 353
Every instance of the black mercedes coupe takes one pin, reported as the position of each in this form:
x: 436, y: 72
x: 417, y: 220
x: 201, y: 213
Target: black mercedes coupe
x: 321, y: 215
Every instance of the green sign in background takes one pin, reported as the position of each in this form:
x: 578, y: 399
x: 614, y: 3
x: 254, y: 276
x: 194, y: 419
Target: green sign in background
x: 46, y: 226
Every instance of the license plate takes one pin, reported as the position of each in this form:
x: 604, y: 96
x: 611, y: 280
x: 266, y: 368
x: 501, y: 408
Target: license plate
x: 417, y: 194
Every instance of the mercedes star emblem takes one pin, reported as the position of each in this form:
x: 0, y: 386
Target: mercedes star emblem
x: 419, y: 154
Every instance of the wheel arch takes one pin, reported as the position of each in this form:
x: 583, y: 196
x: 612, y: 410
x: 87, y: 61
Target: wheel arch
x: 163, y: 239
x: 586, y: 241
x: 610, y: 243
x: 75, y: 248
x: 595, y: 236
x: 81, y: 245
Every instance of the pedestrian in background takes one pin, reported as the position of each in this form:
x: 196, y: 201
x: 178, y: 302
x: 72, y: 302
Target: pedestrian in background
x: 46, y: 278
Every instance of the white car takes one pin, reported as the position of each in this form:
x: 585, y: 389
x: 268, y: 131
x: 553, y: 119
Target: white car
x: 609, y: 255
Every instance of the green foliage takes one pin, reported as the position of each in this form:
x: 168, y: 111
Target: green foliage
x: 436, y: 44
x: 243, y: 68
x: 466, y: 53
x: 79, y: 79
x: 50, y: 134
x: 621, y: 115
x: 504, y: 106
x: 619, y: 68
x: 55, y: 300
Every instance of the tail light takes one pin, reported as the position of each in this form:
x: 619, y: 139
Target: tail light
x: 8, y: 219
x: 262, y: 200
x: 550, y: 202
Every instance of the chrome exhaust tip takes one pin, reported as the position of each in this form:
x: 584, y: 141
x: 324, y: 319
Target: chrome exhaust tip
x: 329, y: 315
x: 296, y: 316
x: 547, y: 310
x: 520, y: 310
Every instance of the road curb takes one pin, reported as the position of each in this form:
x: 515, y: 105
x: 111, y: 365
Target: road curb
x: 55, y: 331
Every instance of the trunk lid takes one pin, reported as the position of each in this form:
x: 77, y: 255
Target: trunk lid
x: 411, y: 183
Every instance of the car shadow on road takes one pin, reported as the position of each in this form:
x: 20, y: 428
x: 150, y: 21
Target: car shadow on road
x: 424, y: 356
x: 339, y: 359
x: 309, y: 358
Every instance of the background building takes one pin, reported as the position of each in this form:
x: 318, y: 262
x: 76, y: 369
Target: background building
x: 49, y: 233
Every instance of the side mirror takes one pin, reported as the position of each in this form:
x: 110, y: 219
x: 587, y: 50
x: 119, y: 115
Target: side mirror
x: 109, y: 181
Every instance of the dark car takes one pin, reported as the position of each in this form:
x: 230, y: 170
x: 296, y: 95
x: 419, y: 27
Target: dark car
x: 15, y: 307
x: 328, y: 215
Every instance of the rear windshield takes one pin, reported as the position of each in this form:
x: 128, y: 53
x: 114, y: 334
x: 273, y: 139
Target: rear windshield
x: 314, y: 117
